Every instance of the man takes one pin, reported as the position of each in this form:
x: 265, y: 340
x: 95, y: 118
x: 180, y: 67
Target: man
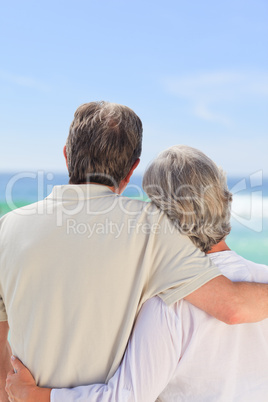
x: 76, y: 267
x: 199, y: 357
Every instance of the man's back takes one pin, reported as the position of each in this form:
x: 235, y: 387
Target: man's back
x: 74, y: 270
x: 218, y: 362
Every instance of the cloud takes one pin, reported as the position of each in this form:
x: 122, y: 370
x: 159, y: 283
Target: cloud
x: 24, y: 81
x: 201, y: 109
x: 205, y: 91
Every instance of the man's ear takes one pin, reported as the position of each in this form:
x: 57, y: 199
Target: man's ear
x: 65, y: 155
x: 125, y: 181
x: 130, y: 173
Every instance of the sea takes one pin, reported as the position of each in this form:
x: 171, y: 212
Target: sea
x: 249, y: 235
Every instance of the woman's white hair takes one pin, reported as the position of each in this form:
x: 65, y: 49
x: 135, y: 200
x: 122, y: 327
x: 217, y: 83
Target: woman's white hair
x: 190, y: 188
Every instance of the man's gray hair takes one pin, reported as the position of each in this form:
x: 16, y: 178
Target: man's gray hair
x: 192, y: 191
x: 104, y: 141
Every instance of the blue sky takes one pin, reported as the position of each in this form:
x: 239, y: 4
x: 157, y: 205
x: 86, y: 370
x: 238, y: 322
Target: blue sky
x: 196, y: 72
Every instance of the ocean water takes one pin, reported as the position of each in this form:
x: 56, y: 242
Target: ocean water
x: 249, y: 235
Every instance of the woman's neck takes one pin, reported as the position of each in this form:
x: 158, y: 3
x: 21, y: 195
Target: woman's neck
x: 221, y: 246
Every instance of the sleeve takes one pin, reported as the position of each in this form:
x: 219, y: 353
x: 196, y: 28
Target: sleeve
x: 150, y: 360
x: 178, y: 267
x: 3, y: 314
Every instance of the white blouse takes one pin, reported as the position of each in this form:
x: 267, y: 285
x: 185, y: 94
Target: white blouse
x: 180, y: 353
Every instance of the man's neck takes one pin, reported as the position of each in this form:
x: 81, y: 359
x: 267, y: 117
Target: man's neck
x: 221, y: 246
x: 113, y: 189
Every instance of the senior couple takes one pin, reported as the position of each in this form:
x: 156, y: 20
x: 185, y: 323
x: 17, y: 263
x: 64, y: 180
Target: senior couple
x: 70, y: 300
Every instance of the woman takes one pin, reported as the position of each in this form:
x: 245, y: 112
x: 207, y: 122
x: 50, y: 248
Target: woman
x: 180, y: 352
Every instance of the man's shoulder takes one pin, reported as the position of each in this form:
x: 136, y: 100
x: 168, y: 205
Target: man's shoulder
x: 18, y: 213
x: 148, y: 212
x: 135, y: 206
x: 133, y: 202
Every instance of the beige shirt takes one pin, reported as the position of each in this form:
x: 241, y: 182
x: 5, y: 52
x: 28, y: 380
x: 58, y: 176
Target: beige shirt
x: 75, y: 269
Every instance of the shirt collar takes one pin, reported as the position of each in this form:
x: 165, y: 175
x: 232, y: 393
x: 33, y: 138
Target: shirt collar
x: 79, y: 192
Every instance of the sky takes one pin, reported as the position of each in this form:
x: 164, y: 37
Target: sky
x: 196, y: 72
